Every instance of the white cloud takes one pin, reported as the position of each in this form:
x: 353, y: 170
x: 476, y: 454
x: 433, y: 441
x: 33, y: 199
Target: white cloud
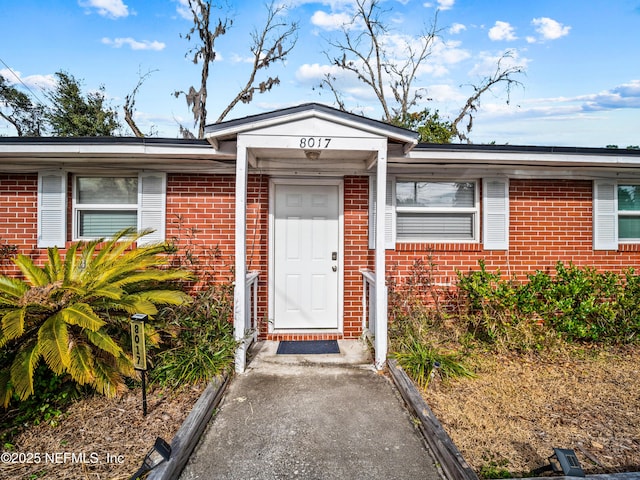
x: 488, y: 62
x: 622, y: 97
x: 134, y: 44
x: 14, y: 77
x: 182, y: 8
x: 444, y: 93
x: 332, y: 4
x: 442, y: 4
x: 549, y: 29
x: 502, y: 31
x: 626, y: 95
x: 330, y: 21
x: 457, y: 28
x: 107, y: 8
x: 235, y: 58
x: 313, y: 73
x: 446, y: 4
x: 448, y: 53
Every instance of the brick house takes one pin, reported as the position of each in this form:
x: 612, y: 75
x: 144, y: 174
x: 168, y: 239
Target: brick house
x: 288, y: 201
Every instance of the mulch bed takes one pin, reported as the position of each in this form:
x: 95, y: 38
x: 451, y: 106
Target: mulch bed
x: 99, y: 438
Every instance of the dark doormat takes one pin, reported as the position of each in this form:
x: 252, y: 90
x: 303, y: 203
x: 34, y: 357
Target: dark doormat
x: 307, y: 347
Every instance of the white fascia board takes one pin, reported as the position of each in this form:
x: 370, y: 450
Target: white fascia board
x: 518, y: 158
x: 301, y: 115
x: 87, y: 149
x: 513, y: 171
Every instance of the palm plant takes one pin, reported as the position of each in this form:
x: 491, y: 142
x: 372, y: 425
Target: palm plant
x: 73, y: 312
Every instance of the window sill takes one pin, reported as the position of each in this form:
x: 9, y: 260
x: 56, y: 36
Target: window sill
x: 629, y: 247
x: 438, y: 247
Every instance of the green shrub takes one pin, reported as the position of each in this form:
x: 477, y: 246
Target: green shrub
x: 489, y: 304
x: 197, y: 340
x: 72, y: 314
x: 422, y: 361
x: 52, y: 395
x: 627, y: 322
x: 495, y: 469
x: 579, y: 304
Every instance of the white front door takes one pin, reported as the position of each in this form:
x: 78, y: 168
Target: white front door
x: 306, y: 256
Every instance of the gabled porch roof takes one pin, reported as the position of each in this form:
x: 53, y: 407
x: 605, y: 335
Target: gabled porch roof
x: 230, y: 129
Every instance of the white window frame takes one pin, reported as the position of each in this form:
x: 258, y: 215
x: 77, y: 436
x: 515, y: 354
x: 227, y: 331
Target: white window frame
x: 87, y: 207
x: 475, y: 211
x: 625, y: 213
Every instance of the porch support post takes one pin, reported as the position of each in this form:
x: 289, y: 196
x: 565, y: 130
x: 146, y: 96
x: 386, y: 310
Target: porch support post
x: 380, y: 340
x: 240, y: 290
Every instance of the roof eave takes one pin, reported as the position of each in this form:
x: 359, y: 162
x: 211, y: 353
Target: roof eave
x: 523, y: 155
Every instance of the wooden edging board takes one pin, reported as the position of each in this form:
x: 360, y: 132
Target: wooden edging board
x: 187, y: 437
x: 444, y: 450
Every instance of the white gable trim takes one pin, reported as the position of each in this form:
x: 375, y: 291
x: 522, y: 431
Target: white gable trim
x: 286, y: 117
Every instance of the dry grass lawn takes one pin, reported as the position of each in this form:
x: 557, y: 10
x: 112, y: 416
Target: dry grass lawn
x: 518, y: 408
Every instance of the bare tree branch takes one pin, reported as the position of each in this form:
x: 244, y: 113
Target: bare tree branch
x: 473, y: 102
x: 329, y: 82
x: 362, y: 54
x: 130, y: 103
x: 272, y: 44
x: 404, y: 75
x: 366, y: 53
x: 203, y: 52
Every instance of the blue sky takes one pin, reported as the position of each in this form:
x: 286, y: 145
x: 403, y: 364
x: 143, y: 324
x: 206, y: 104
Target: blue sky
x: 581, y: 85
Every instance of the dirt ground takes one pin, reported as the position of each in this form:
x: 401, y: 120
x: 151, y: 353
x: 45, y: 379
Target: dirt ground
x: 518, y: 408
x: 98, y: 438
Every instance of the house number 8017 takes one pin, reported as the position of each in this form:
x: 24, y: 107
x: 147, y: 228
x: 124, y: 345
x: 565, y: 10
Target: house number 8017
x: 314, y: 142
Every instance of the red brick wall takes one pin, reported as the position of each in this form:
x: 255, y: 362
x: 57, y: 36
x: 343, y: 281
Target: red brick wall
x: 550, y: 221
x: 18, y: 215
x: 201, y: 221
x: 357, y: 255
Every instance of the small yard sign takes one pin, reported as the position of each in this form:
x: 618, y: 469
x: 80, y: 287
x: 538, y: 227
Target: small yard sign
x: 137, y: 341
x: 140, y: 353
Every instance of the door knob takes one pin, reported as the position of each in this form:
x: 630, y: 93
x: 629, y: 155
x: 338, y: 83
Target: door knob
x: 334, y: 268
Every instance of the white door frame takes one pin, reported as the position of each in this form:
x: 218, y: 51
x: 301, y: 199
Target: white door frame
x: 339, y: 182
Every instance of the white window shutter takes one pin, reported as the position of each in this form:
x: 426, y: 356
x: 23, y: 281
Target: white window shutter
x: 52, y: 209
x: 152, y: 193
x: 605, y: 215
x: 389, y: 211
x: 495, y: 213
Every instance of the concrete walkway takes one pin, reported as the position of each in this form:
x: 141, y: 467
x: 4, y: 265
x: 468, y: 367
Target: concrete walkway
x: 311, y: 417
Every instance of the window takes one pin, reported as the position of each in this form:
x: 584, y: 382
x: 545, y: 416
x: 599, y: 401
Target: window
x: 101, y: 206
x: 629, y: 213
x: 436, y: 211
x: 104, y: 205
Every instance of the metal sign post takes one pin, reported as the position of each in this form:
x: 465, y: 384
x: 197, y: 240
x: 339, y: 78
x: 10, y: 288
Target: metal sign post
x: 140, y: 353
